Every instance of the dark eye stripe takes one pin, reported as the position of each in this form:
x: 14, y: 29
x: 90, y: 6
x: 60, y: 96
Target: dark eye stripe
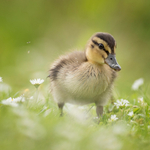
x: 102, y: 49
x: 95, y: 42
x: 106, y: 51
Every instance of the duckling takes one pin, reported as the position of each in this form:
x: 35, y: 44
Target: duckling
x: 84, y: 77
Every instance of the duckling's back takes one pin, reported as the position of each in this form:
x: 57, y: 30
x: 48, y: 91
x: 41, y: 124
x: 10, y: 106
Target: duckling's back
x: 67, y: 63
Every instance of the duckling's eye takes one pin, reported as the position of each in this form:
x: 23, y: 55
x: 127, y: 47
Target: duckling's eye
x: 101, y: 46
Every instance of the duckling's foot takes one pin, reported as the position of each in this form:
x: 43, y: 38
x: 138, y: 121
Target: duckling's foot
x: 61, y: 105
x: 99, y: 111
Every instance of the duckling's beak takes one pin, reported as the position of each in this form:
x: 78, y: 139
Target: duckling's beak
x: 112, y: 62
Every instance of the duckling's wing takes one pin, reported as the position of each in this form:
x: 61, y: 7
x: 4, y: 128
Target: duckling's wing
x: 67, y: 63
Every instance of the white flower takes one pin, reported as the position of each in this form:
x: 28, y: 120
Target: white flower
x: 121, y: 103
x: 37, y: 82
x: 1, y: 80
x: 112, y: 118
x: 19, y: 99
x: 131, y: 114
x: 140, y: 100
x: 137, y: 84
x: 13, y: 101
x: 30, y: 97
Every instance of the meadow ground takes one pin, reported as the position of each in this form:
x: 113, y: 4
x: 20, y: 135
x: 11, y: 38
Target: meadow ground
x: 30, y: 120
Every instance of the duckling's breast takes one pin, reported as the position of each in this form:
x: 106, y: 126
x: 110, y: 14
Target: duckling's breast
x: 85, y: 83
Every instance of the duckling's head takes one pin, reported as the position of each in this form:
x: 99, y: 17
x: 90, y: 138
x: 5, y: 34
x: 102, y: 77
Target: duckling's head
x: 101, y: 50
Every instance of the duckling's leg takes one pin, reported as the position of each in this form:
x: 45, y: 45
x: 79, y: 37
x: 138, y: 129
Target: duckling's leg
x: 99, y: 111
x: 61, y: 105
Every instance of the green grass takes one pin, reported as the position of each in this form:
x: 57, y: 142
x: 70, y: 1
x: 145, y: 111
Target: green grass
x: 35, y: 124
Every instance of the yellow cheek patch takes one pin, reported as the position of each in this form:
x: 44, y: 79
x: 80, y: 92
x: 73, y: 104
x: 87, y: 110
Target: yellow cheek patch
x: 95, y: 55
x: 103, y: 53
x: 98, y: 40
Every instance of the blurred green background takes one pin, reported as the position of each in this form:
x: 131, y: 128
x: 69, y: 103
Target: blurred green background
x: 33, y: 33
